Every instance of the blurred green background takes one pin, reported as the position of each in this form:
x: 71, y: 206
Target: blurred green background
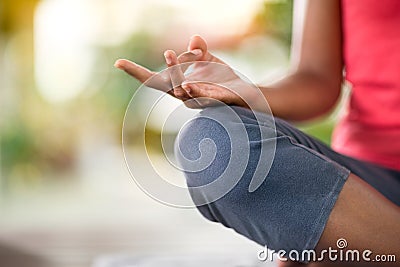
x: 65, y: 194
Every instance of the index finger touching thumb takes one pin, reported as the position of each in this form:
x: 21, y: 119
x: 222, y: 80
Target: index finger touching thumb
x: 198, y: 42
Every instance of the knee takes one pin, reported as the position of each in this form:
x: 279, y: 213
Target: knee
x: 220, y: 154
x: 202, y: 148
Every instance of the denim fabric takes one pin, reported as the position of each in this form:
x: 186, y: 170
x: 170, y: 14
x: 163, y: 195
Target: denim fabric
x: 289, y: 210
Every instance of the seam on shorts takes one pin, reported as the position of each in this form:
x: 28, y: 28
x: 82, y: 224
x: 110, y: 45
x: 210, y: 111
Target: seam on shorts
x: 316, y: 153
x: 326, y: 210
x: 342, y: 175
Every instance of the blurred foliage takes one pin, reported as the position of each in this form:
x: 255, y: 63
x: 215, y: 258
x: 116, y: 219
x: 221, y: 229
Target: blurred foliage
x: 47, y: 143
x: 275, y: 19
x: 117, y: 91
x: 16, y: 144
x: 322, y: 130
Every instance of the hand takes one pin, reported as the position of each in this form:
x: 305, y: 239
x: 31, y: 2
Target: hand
x: 161, y: 82
x: 211, y: 82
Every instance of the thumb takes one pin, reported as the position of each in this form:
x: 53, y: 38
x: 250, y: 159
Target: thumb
x: 197, y: 42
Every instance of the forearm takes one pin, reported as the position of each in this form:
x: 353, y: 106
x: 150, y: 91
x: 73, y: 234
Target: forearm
x: 301, y: 96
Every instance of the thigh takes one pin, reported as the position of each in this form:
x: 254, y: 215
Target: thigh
x: 366, y: 220
x: 384, y: 180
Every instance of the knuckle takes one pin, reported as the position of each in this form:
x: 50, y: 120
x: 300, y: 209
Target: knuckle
x: 186, y: 58
x: 179, y: 92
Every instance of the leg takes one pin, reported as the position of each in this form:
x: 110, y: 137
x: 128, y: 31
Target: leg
x: 365, y: 219
x: 290, y: 210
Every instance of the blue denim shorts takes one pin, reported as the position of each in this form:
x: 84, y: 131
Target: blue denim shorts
x: 290, y: 209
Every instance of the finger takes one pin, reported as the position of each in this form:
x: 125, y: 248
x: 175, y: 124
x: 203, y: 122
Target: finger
x: 176, y: 74
x: 197, y: 42
x: 145, y: 76
x: 193, y: 104
x: 199, y: 93
x: 190, y: 56
x: 196, y: 89
x: 191, y: 101
x: 206, y: 94
x: 138, y: 72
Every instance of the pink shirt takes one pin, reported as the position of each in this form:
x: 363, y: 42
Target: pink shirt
x: 370, y: 129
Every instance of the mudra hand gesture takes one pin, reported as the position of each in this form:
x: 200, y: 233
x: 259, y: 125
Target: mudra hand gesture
x: 211, y: 82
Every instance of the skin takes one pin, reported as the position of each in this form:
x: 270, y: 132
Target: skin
x: 361, y: 215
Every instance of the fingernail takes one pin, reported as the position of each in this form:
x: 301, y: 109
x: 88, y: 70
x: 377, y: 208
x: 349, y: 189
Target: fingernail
x: 196, y: 52
x: 117, y: 65
x: 167, y: 58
